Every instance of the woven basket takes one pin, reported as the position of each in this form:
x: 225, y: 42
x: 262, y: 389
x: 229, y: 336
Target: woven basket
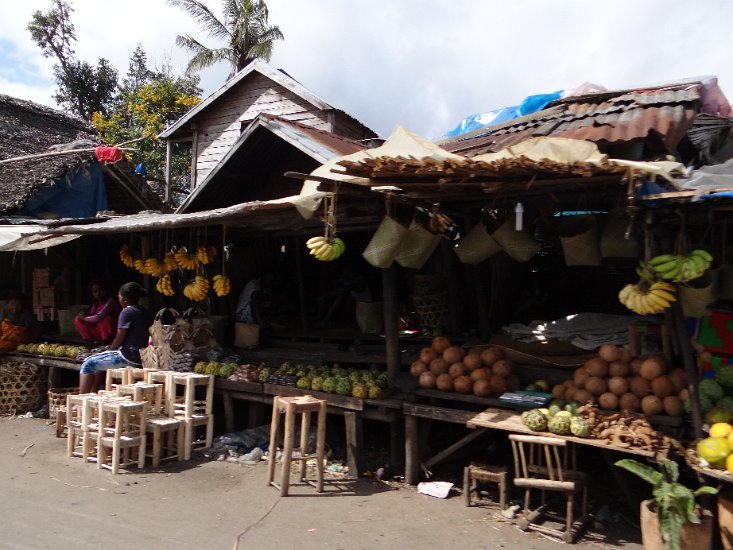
x: 57, y: 400
x: 385, y: 244
x: 163, y: 325
x: 417, y: 247
x: 614, y: 243
x: 22, y: 387
x: 696, y: 296
x: 431, y: 309
x: 476, y: 246
x: 519, y: 245
x: 579, y: 239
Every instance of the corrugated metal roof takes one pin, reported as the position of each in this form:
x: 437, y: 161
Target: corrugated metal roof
x: 625, y: 117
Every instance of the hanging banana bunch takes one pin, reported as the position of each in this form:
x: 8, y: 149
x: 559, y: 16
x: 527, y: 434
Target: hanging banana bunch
x: 205, y: 254
x: 222, y: 285
x: 170, y: 262
x: 328, y: 247
x: 126, y: 256
x: 185, y: 259
x: 647, y: 298
x: 165, y: 286
x: 155, y: 267
x: 197, y: 289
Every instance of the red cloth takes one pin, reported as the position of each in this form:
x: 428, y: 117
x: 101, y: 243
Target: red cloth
x: 106, y: 153
x: 103, y: 330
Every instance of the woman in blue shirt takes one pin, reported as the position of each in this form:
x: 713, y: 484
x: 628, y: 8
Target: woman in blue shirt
x: 124, y: 351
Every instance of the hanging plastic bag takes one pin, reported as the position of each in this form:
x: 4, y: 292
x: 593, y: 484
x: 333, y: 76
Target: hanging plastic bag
x: 385, y: 244
x: 477, y: 245
x: 417, y: 246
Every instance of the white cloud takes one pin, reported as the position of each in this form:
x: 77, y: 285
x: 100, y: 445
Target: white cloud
x: 425, y: 64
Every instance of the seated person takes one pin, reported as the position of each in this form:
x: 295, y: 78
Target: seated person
x: 99, y: 323
x: 124, y: 351
x: 255, y: 300
x: 18, y: 325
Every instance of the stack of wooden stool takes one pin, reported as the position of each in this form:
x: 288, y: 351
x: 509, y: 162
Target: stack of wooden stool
x: 82, y: 424
x: 290, y: 407
x: 122, y: 426
x: 125, y: 375
x: 194, y: 411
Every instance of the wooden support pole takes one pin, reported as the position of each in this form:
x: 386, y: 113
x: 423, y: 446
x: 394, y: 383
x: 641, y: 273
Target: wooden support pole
x: 445, y: 453
x: 482, y: 299
x: 391, y: 322
x: 298, y: 251
x: 454, y: 315
x: 228, y: 411
x: 354, y: 443
x: 412, y: 453
x: 688, y: 361
x: 168, y: 183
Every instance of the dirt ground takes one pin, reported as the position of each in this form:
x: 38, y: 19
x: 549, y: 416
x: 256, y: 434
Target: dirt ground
x: 51, y: 501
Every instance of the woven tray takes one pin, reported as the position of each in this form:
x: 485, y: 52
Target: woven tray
x: 22, y: 387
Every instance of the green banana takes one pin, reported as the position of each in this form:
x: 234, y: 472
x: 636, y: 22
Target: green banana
x: 662, y: 259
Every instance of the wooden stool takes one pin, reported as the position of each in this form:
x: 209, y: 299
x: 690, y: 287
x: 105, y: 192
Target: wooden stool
x: 140, y: 391
x: 61, y: 427
x: 483, y: 473
x: 163, y: 448
x: 81, y: 425
x: 115, y: 377
x: 122, y: 426
x: 292, y: 406
x: 163, y: 378
x: 189, y: 427
x: 187, y: 404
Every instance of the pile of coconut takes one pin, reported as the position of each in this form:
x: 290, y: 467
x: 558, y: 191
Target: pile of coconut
x: 616, y: 380
x: 481, y: 371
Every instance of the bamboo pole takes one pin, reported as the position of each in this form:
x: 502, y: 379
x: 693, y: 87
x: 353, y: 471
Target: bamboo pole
x: 391, y: 322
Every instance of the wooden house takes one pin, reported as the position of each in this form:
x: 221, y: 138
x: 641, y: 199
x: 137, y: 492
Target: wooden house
x: 217, y: 124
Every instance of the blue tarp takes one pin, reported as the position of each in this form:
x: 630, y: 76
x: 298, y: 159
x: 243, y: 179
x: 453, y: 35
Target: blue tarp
x: 530, y: 104
x: 82, y: 196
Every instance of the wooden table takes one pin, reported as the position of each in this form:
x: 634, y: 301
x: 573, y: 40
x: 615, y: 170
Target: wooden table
x: 53, y: 364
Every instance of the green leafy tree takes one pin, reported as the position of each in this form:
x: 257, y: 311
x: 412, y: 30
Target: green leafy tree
x: 245, y: 30
x: 83, y: 89
x: 148, y: 102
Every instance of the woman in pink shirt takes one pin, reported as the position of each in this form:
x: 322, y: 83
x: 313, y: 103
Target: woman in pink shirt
x: 99, y: 324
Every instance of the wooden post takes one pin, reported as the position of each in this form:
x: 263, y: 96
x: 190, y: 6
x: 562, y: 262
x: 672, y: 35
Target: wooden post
x: 167, y: 195
x: 194, y: 155
x: 391, y: 322
x: 228, y: 411
x: 685, y: 347
x: 482, y: 297
x: 454, y: 315
x: 298, y: 251
x: 412, y: 454
x: 354, y: 443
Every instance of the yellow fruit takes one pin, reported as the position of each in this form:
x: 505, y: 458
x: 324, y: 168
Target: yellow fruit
x: 729, y: 463
x: 720, y: 429
x: 714, y: 450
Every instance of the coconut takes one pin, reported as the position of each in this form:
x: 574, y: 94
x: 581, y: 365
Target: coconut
x: 457, y: 369
x: 427, y: 379
x: 636, y: 365
x: 678, y: 379
x: 629, y: 402
x: 580, y: 376
x: 503, y: 367
x: 569, y: 383
x: 444, y: 382
x: 597, y: 367
x: 640, y: 387
x: 475, y: 351
x: 440, y: 344
x: 617, y: 368
x: 417, y: 368
x: 672, y: 405
x: 624, y: 355
x: 662, y: 386
x: 608, y: 401
x: 438, y: 366
x: 618, y: 385
x: 427, y: 355
x: 582, y: 396
x: 684, y: 394
x: 463, y: 384
x: 472, y: 361
x: 651, y: 404
x: 491, y: 355
x: 569, y: 394
x: 558, y: 391
x: 481, y: 373
x: 596, y: 386
x: 482, y: 387
x: 652, y: 367
x: 609, y: 353
x: 498, y: 384
x: 453, y: 354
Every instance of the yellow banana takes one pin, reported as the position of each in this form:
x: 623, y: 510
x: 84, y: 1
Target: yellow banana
x: 664, y: 294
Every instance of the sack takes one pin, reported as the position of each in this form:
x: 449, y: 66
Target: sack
x: 416, y: 247
x: 519, y: 245
x: 614, y: 243
x: 476, y: 246
x: 246, y: 335
x: 579, y: 239
x: 385, y: 244
x: 161, y: 329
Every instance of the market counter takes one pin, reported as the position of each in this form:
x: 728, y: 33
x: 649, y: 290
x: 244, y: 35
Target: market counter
x: 53, y: 364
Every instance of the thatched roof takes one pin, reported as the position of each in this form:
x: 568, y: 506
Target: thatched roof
x: 27, y: 128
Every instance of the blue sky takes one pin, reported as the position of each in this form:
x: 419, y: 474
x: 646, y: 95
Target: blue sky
x: 425, y: 64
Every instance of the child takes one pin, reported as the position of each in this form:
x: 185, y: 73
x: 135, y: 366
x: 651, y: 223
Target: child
x: 18, y: 325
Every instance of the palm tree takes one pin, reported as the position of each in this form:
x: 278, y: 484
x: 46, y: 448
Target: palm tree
x: 245, y: 30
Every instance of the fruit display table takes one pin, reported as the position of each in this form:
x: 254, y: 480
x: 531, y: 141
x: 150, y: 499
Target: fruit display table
x: 52, y: 363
